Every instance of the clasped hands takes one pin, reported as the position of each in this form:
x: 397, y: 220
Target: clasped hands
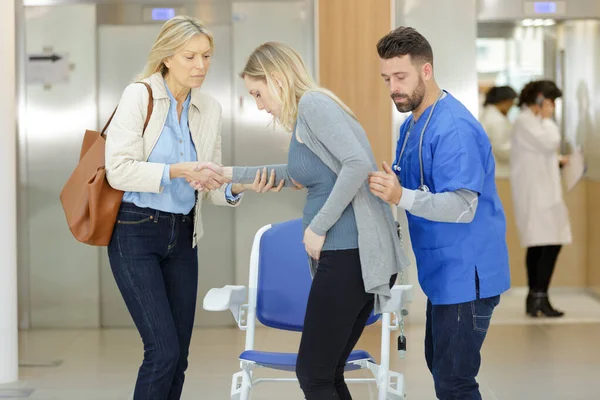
x: 207, y: 176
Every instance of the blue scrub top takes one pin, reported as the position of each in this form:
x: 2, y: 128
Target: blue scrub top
x: 456, y: 155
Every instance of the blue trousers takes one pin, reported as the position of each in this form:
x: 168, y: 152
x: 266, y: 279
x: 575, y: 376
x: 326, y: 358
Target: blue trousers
x: 156, y: 270
x: 454, y: 335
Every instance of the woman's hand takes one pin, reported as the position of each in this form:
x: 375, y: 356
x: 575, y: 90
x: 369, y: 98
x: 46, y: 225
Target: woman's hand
x: 207, y: 169
x: 563, y: 160
x: 207, y: 176
x: 547, y: 109
x: 313, y: 243
x: 210, y: 165
x: 262, y: 185
x: 237, y: 189
x: 297, y: 186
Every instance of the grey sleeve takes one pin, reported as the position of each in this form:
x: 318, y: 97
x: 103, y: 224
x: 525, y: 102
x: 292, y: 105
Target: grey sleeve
x: 247, y: 174
x: 326, y: 120
x: 455, y: 207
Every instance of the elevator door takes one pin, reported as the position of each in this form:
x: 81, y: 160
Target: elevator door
x: 122, y: 51
x: 62, y: 273
x: 256, y: 142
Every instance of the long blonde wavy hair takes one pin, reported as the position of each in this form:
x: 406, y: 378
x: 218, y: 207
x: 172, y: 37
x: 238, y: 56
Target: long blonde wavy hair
x: 272, y: 58
x: 173, y: 36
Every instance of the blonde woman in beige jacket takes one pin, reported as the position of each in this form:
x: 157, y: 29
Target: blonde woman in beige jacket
x: 152, y: 252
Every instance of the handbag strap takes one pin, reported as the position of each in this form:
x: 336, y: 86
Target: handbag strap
x: 148, y: 113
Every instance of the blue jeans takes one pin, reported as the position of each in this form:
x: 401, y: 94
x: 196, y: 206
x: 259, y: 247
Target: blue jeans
x: 454, y: 335
x: 156, y: 270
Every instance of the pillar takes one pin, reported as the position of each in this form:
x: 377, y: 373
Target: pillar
x: 349, y: 65
x: 8, y: 203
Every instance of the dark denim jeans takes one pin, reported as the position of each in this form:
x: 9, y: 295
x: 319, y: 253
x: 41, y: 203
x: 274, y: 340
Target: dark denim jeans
x: 156, y: 270
x: 454, y: 335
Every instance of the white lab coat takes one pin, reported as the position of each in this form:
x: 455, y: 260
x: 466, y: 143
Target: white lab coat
x: 499, y: 131
x: 540, y: 211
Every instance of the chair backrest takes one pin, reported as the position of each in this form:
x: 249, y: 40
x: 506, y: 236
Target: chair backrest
x: 284, y: 278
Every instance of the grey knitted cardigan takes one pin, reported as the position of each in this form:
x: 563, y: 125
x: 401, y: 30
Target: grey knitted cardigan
x: 341, y: 143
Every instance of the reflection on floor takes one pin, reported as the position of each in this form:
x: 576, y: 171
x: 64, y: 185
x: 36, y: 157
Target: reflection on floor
x: 547, y: 360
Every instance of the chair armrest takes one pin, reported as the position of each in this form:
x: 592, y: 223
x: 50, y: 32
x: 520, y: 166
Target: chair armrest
x: 228, y: 297
x: 222, y: 299
x: 401, y: 294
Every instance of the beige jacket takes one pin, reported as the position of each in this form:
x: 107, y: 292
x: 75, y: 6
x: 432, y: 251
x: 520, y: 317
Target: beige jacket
x: 127, y: 151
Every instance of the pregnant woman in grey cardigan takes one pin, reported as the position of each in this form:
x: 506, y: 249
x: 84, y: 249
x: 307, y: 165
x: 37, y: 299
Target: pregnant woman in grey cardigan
x: 348, y: 232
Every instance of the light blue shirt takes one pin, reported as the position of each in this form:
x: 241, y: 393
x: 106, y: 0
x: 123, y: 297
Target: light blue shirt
x: 174, y: 146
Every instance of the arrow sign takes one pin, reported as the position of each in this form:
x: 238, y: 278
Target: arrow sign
x: 47, y: 68
x: 50, y: 57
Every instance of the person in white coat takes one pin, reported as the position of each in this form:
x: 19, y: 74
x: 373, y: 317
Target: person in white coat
x: 540, y: 211
x: 498, y: 102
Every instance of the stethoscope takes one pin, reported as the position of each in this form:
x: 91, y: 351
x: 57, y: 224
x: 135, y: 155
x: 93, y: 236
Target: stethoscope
x: 396, y: 167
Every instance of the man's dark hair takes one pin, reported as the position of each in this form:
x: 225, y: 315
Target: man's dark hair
x: 532, y: 90
x: 498, y: 94
x: 405, y: 41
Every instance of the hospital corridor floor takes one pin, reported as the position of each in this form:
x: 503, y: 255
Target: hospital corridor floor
x: 522, y: 359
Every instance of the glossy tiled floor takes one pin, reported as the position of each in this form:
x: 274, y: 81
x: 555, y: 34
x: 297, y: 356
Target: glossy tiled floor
x: 522, y: 360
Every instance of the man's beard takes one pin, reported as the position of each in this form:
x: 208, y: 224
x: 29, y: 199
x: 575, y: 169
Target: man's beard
x: 414, y: 100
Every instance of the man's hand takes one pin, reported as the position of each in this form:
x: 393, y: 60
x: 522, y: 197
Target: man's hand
x: 385, y: 185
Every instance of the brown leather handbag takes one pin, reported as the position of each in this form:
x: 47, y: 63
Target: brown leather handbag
x: 90, y: 204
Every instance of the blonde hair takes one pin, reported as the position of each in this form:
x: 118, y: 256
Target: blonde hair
x: 173, y: 35
x: 287, y: 64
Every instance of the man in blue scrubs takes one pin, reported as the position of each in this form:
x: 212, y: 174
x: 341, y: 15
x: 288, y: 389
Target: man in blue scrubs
x: 443, y: 176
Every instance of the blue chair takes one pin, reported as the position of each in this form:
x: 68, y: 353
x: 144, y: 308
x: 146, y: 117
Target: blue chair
x: 280, y: 280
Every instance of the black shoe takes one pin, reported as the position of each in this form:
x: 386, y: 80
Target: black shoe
x: 529, y: 303
x: 539, y: 306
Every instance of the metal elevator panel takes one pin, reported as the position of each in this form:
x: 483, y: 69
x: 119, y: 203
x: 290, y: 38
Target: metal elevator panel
x: 70, y: 285
x: 63, y: 274
x: 255, y: 141
x: 580, y: 46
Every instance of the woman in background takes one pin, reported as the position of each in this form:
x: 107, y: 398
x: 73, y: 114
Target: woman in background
x: 540, y: 211
x: 498, y: 102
